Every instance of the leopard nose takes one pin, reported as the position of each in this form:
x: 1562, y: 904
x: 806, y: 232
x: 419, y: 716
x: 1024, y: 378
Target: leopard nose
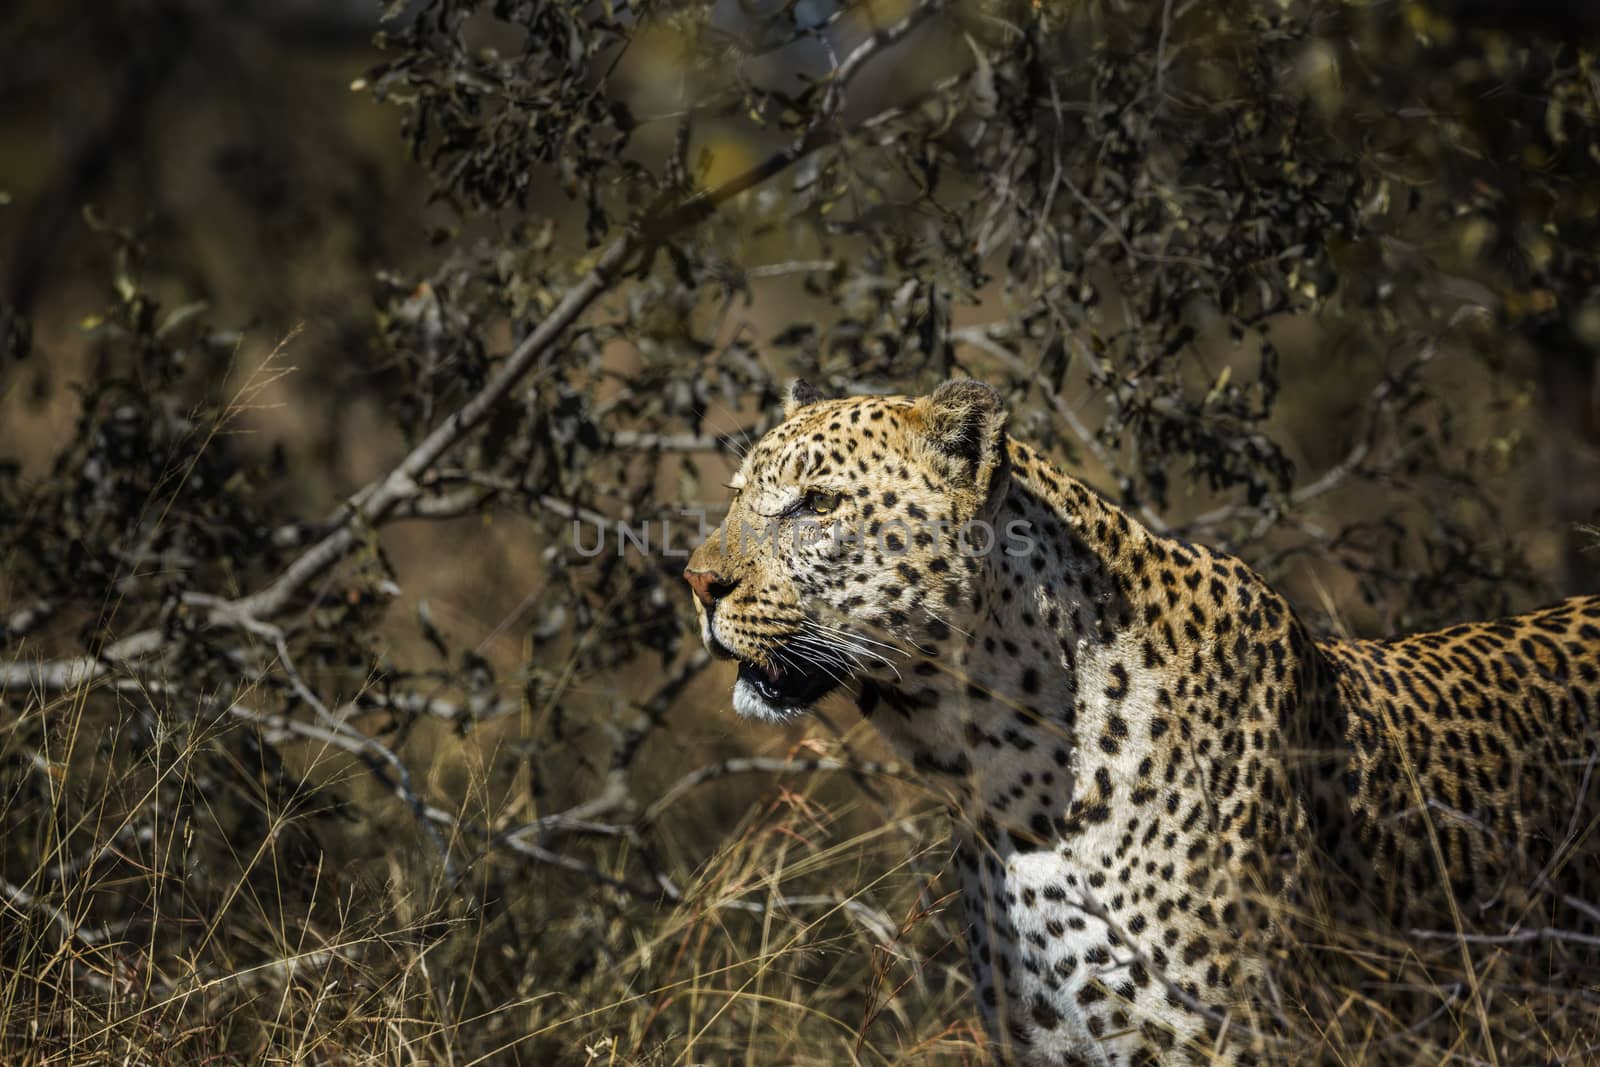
x: 707, y: 586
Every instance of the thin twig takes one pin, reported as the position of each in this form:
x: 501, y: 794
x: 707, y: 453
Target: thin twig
x: 1542, y: 934
x: 763, y: 765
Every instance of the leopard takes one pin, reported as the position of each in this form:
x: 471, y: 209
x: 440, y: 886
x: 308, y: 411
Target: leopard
x: 1153, y: 767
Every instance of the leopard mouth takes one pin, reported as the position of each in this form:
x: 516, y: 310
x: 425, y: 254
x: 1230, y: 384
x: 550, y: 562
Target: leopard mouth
x: 786, y: 688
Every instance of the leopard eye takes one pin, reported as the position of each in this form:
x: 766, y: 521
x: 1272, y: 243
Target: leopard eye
x: 820, y: 501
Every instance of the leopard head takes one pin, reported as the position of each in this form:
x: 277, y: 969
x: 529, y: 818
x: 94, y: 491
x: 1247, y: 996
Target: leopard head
x: 855, y: 541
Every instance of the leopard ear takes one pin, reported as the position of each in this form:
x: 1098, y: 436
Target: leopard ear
x: 801, y: 393
x: 966, y: 420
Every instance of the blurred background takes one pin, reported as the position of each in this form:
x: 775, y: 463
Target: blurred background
x: 1313, y: 281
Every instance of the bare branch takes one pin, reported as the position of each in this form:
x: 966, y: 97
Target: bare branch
x: 762, y: 765
x: 393, y: 492
x: 1542, y: 934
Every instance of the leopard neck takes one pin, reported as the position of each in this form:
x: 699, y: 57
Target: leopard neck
x: 1101, y: 651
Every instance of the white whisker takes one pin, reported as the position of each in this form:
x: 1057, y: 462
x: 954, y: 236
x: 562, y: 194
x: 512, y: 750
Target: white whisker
x: 936, y: 618
x: 855, y: 637
x: 808, y: 660
x: 828, y: 653
x: 843, y: 645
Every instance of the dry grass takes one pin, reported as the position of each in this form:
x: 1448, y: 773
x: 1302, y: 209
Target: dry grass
x: 175, y: 894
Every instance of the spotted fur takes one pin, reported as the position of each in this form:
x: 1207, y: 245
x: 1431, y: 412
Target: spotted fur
x: 1150, y: 762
